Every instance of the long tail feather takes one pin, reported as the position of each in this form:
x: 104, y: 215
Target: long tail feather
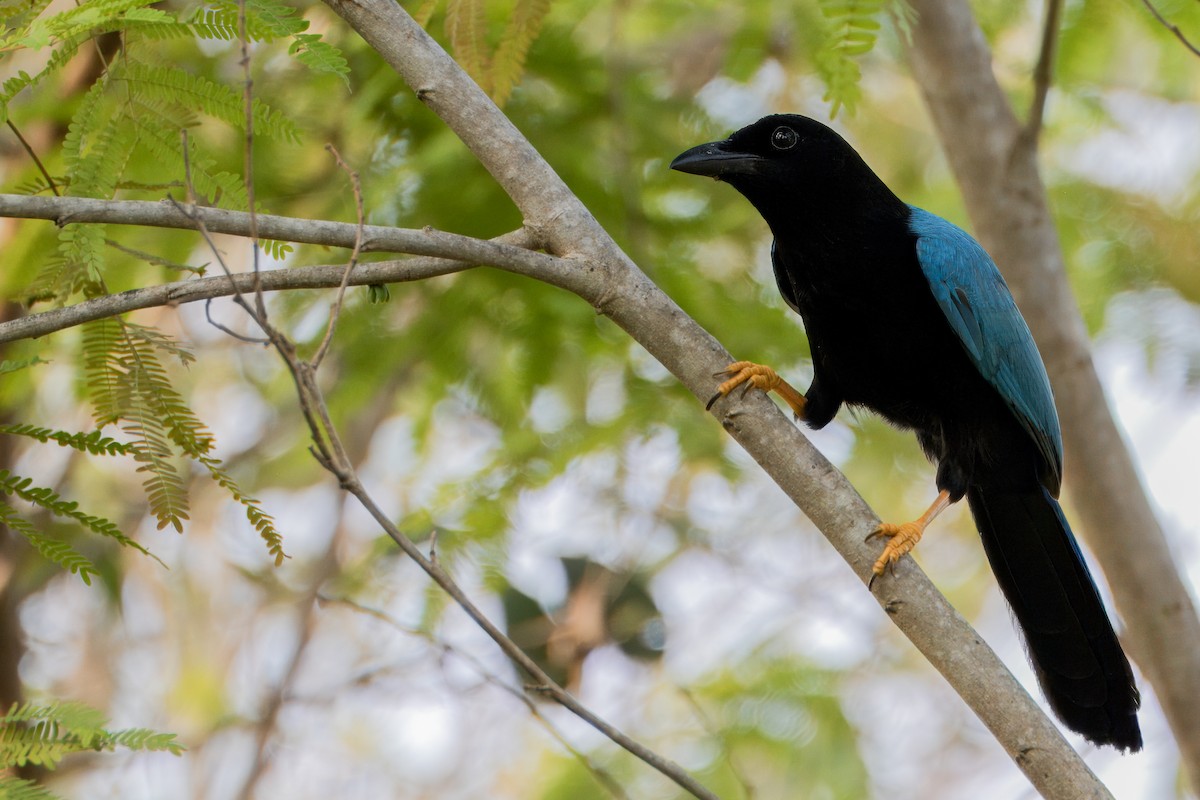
x: 1075, y: 653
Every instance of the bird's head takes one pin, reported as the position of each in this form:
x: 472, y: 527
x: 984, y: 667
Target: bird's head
x: 785, y: 159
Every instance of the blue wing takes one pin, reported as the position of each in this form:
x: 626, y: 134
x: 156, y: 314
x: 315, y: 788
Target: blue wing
x: 979, y: 307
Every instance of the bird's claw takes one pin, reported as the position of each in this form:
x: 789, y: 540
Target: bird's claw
x: 901, y: 540
x: 749, y: 376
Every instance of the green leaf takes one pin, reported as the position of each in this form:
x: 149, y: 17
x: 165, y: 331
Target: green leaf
x: 48, y: 499
x: 43, y: 735
x: 851, y: 30
x: 320, y: 56
x: 214, y: 99
x: 522, y: 29
x: 466, y: 27
x: 95, y: 442
x: 53, y: 550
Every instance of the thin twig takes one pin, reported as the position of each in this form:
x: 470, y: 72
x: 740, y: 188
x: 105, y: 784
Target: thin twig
x: 200, y: 227
x: 726, y: 755
x: 599, y: 773
x: 241, y: 337
x: 1171, y: 27
x: 336, y: 308
x: 248, y: 153
x: 332, y: 455
x: 32, y: 154
x: 238, y: 297
x: 1044, y: 71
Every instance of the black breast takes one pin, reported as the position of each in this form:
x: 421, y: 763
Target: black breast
x: 879, y: 340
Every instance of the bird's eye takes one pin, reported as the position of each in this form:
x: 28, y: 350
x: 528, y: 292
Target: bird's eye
x: 784, y: 138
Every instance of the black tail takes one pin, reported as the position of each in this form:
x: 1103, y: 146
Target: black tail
x: 1075, y: 653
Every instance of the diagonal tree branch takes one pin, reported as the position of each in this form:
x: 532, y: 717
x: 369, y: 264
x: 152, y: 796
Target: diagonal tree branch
x: 615, y: 286
x: 998, y: 172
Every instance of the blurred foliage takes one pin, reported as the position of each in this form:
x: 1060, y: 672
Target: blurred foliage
x: 505, y: 415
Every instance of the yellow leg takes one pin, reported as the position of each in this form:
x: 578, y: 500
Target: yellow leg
x: 904, y: 537
x: 761, y: 377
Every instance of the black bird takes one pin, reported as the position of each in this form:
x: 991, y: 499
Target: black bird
x: 908, y: 316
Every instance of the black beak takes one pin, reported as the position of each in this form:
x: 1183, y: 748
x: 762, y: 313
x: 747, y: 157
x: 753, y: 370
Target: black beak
x: 716, y: 160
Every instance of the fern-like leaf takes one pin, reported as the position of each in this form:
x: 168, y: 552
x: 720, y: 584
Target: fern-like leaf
x: 260, y: 519
x: 213, y: 23
x: 266, y: 20
x: 8, y: 366
x: 852, y: 28
x: 102, y: 381
x: 44, y: 734
x: 121, y: 387
x: 424, y: 12
x: 19, y: 789
x: 16, y: 15
x: 320, y: 56
x: 214, y: 99
x: 143, y: 739
x: 81, y: 19
x: 95, y: 443
x: 48, y: 499
x: 53, y: 550
x: 158, y: 123
x: 276, y: 249
x: 519, y: 34
x: 466, y: 27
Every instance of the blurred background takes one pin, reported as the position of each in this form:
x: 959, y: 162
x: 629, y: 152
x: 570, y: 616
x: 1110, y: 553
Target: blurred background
x: 581, y: 496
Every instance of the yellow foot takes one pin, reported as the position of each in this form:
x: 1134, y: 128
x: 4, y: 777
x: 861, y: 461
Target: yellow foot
x: 901, y: 540
x: 749, y: 374
x: 904, y: 537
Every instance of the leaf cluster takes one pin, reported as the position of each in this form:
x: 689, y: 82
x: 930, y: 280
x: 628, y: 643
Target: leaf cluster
x: 468, y: 25
x: 132, y: 115
x: 44, y: 734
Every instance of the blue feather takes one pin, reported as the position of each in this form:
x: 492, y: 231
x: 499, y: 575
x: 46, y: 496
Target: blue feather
x: 980, y: 309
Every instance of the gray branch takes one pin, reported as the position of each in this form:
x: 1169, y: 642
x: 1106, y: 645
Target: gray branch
x: 997, y: 169
x: 169, y: 214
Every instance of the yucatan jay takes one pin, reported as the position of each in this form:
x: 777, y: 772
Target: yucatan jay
x: 908, y: 316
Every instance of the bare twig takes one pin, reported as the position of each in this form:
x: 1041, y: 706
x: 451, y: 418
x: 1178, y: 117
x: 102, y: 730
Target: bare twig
x: 33, y: 155
x: 726, y: 755
x: 336, y: 308
x: 1044, y: 71
x: 241, y: 337
x: 544, y: 684
x: 248, y: 152
x: 329, y: 451
x: 1173, y: 28
x: 198, y: 224
x: 601, y: 775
